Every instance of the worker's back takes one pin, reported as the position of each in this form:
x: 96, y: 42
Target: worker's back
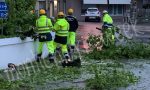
x: 62, y: 27
x: 44, y: 24
x: 107, y: 19
x: 72, y: 22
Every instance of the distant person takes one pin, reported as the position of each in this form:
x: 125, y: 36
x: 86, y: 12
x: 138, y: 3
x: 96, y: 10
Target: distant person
x: 107, y: 20
x: 44, y: 26
x: 108, y: 28
x: 72, y: 30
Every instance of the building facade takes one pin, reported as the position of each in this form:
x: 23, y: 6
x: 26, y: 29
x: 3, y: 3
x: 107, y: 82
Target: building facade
x: 115, y: 7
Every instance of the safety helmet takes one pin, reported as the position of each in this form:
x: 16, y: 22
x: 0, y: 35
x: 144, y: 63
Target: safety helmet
x: 70, y: 11
x: 60, y: 14
x: 105, y: 11
x: 42, y: 11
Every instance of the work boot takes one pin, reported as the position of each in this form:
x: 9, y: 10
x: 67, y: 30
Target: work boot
x: 67, y: 58
x: 72, y: 48
x: 39, y: 57
x: 51, y: 58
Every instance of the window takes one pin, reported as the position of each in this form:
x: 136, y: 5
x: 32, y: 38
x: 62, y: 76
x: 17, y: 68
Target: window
x: 120, y: 9
x: 116, y: 9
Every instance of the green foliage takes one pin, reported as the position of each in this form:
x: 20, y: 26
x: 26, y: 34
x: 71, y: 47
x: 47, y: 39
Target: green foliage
x: 107, y: 40
x: 19, y: 16
x: 66, y: 89
x: 110, y: 79
x: 94, y: 41
x: 108, y: 75
x: 136, y: 50
x: 129, y: 51
x: 5, y: 84
x: 37, y: 74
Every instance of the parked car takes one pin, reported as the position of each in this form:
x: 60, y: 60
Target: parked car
x: 92, y: 14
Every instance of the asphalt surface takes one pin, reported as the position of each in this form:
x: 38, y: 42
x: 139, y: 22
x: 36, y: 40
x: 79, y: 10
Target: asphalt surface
x: 86, y: 28
x: 139, y: 33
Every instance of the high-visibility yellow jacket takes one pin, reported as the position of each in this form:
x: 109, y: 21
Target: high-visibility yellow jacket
x: 107, y: 20
x: 61, y: 27
x: 44, y: 24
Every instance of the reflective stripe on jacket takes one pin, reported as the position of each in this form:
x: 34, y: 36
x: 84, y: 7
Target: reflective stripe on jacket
x: 107, y: 20
x: 44, y: 24
x: 61, y: 27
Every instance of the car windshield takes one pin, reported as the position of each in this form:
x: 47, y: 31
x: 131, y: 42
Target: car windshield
x: 92, y: 10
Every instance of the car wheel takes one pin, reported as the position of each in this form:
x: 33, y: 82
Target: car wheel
x: 99, y: 19
x: 86, y: 20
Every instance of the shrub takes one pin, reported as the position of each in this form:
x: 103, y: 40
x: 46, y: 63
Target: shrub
x: 19, y: 16
x: 130, y: 50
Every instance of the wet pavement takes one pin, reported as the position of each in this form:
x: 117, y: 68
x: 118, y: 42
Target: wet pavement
x: 137, y: 32
x: 141, y: 69
x: 86, y: 28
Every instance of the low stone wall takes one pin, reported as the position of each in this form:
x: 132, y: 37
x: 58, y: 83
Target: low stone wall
x: 14, y: 50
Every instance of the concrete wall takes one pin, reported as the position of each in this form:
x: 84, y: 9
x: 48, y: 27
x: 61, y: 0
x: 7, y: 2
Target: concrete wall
x: 14, y: 50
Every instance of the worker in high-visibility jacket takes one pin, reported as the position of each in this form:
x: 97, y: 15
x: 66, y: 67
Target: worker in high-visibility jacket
x: 61, y: 27
x: 44, y: 27
x: 72, y: 30
x: 108, y: 29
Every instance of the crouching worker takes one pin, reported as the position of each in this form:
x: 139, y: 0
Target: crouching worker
x: 44, y: 27
x: 61, y: 27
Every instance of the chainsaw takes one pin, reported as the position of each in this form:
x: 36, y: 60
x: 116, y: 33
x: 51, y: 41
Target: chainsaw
x: 117, y: 31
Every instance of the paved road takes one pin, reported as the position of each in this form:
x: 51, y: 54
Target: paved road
x: 86, y: 28
x: 137, y: 32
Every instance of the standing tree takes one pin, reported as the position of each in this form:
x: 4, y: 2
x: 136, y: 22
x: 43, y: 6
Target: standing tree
x: 19, y: 16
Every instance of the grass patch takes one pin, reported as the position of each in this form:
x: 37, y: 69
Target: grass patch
x: 29, y: 76
x: 96, y: 76
x: 130, y: 49
x: 110, y: 79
